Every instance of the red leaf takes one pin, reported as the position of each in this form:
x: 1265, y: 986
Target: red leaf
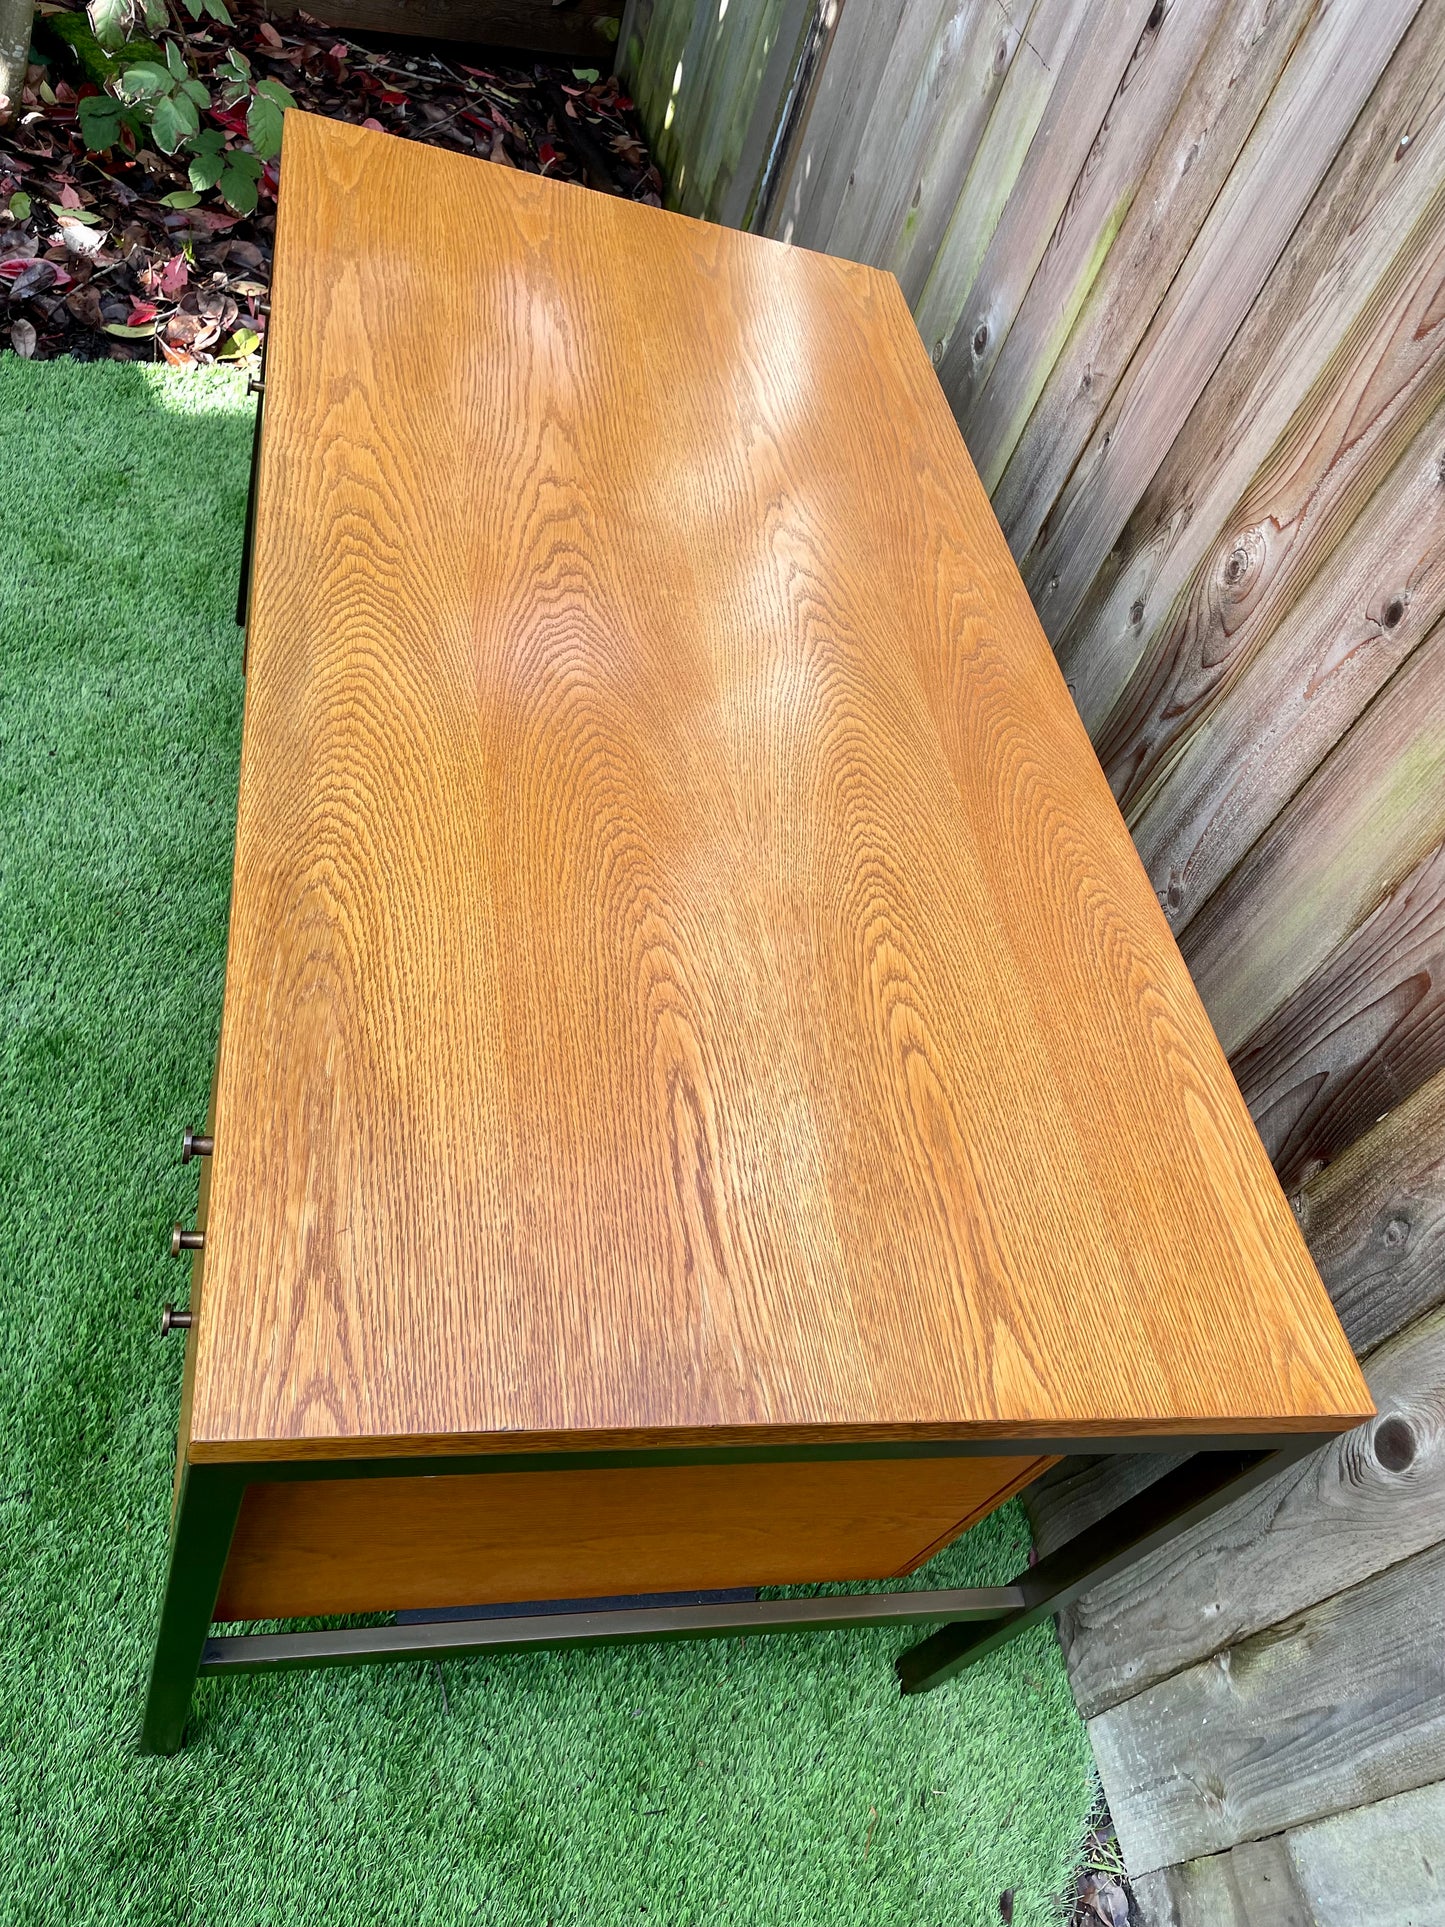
x: 68, y: 196
x: 269, y: 34
x: 140, y: 313
x: 546, y: 153
x: 375, y: 126
x: 391, y: 98
x: 174, y: 276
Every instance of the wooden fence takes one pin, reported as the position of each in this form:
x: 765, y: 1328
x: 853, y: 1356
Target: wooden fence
x: 1181, y: 268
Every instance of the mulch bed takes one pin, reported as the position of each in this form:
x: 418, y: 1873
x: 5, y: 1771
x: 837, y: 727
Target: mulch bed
x: 93, y: 264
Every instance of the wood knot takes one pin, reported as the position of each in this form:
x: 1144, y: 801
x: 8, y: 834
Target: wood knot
x: 1397, y: 1234
x: 1394, y: 612
x: 1244, y: 560
x: 1394, y: 1443
x: 980, y: 337
x: 1136, y: 612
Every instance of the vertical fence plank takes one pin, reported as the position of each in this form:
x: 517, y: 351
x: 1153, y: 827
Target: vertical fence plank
x: 1107, y: 44
x: 1327, y: 277
x: 1326, y: 83
x: 1007, y: 381
x: 1368, y: 815
x: 1225, y: 95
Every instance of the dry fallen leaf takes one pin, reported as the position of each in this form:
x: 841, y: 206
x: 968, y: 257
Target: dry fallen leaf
x: 22, y: 337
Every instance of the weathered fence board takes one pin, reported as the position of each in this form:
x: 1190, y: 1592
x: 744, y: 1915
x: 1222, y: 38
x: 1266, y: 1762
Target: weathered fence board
x: 1328, y: 277
x: 1005, y: 381
x: 1342, y: 1706
x: 1375, y: 1221
x: 1327, y: 81
x: 1369, y: 1499
x: 1383, y: 1864
x: 1254, y: 713
x: 1372, y: 810
x: 1224, y: 97
x: 1363, y: 1032
x: 1100, y: 54
x: 1035, y: 71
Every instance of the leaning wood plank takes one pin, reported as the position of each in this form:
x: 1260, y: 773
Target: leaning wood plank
x: 1372, y: 810
x: 1250, y: 1886
x: 931, y: 35
x: 1323, y: 88
x: 1022, y: 104
x: 1252, y: 714
x: 972, y: 58
x: 1375, y: 1221
x: 774, y: 66
x: 819, y: 168
x: 1359, y: 233
x: 1382, y: 1864
x: 1004, y: 383
x: 583, y: 32
x: 1343, y: 1705
x: 1106, y: 46
x: 1226, y: 92
x: 1362, y: 1033
x: 1363, y: 1502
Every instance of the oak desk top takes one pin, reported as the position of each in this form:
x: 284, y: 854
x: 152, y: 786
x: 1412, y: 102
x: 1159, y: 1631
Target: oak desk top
x: 688, y: 979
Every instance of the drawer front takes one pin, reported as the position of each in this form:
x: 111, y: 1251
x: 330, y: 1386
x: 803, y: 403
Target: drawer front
x: 381, y: 1545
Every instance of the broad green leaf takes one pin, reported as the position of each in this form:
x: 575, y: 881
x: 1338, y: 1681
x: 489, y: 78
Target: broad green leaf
x: 205, y: 170
x: 589, y: 74
x: 273, y: 90
x: 244, y: 163
x: 245, y: 341
x: 263, y: 124
x: 81, y: 214
x: 195, y: 8
x: 180, y: 198
x: 99, y: 122
x: 144, y: 81
x: 155, y: 14
x: 210, y: 140
x: 238, y: 190
x: 108, y: 20
x: 20, y: 206
x: 235, y: 64
x: 174, y: 121
x: 174, y: 61
x: 127, y: 333
x: 217, y: 11
x: 195, y: 90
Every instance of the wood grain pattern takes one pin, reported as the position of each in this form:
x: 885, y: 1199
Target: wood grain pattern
x: 1116, y: 37
x: 381, y: 1545
x: 1373, y: 810
x: 1362, y: 1503
x: 1361, y: 1034
x: 1383, y: 1863
x: 1249, y: 720
x: 1340, y: 1707
x: 687, y: 970
x: 1375, y: 1220
x: 1327, y: 81
x: 1324, y: 312
x: 1214, y: 118
x: 1007, y: 380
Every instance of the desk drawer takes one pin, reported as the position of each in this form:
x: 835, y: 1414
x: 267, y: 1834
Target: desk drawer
x: 379, y: 1545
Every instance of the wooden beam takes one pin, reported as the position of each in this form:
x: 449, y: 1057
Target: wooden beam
x: 1342, y: 1706
x: 1382, y: 1864
x: 1327, y: 81
x: 1115, y: 36
x: 1375, y: 1221
x: 1364, y: 1502
x: 1362, y: 1033
x: 1219, y: 107
x: 1329, y: 274
x: 1003, y: 384
x: 1018, y: 113
x: 1372, y: 810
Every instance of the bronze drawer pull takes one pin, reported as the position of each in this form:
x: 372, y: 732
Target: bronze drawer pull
x: 183, y: 1240
x: 173, y: 1320
x: 195, y: 1145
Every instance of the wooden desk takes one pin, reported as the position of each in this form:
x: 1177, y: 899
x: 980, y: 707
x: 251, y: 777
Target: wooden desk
x: 706, y: 1096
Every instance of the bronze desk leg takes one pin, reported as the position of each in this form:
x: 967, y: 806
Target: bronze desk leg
x: 207, y: 1507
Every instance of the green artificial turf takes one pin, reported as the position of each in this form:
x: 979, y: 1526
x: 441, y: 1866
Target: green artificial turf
x: 752, y: 1782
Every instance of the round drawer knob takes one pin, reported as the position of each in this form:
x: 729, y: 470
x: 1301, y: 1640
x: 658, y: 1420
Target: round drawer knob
x: 183, y: 1240
x: 195, y: 1145
x: 173, y: 1320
